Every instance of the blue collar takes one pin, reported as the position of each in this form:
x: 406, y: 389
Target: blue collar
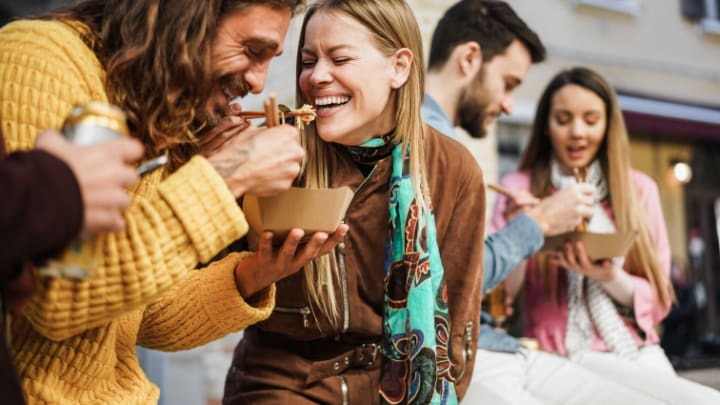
x: 435, y: 117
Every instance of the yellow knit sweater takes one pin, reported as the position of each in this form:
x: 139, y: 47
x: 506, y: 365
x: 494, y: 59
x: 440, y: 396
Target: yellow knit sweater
x: 76, y: 342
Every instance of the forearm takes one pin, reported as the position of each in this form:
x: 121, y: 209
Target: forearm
x: 620, y: 287
x: 508, y: 247
x: 204, y: 307
x: 516, y: 279
x: 170, y: 228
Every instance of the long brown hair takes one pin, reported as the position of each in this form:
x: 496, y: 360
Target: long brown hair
x: 614, y: 159
x: 157, y: 58
x: 393, y: 26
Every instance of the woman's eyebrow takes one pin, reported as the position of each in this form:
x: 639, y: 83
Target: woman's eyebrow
x: 330, y: 50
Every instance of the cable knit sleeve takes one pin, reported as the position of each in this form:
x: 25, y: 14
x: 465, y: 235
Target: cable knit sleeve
x: 171, y: 225
x: 188, y: 316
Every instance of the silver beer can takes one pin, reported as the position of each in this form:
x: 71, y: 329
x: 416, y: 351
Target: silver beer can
x: 87, y: 124
x: 95, y: 122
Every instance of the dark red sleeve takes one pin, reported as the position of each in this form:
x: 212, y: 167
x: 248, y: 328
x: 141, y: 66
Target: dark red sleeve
x: 40, y: 212
x: 40, y: 209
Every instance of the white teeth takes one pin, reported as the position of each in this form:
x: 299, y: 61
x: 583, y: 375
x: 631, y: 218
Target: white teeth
x: 227, y: 93
x: 323, y: 101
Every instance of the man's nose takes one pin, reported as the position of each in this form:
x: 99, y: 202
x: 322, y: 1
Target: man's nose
x: 255, y: 78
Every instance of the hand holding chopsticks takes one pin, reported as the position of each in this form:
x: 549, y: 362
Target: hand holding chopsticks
x: 558, y: 213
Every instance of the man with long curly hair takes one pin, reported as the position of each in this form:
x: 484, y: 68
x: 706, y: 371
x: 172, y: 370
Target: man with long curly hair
x: 172, y: 66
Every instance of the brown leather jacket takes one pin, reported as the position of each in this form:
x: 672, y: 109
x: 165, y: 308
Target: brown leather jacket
x: 288, y: 359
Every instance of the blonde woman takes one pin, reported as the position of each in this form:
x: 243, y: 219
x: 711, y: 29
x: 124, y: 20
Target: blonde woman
x: 600, y: 314
x: 391, y: 316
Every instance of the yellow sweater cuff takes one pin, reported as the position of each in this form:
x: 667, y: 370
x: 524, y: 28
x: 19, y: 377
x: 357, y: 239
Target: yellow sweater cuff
x: 229, y: 311
x: 204, y: 206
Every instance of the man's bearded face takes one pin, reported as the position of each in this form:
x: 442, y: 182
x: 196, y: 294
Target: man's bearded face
x: 475, y: 111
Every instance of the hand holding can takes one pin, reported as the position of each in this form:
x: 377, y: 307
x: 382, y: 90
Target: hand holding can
x: 98, y: 150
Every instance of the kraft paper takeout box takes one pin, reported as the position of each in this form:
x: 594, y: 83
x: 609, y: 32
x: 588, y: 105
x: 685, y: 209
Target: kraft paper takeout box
x: 597, y: 245
x: 319, y: 210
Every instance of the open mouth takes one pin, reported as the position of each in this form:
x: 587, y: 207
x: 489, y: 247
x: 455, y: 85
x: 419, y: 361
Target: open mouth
x: 233, y: 87
x: 576, y: 152
x: 328, y: 105
x: 233, y: 95
x: 228, y: 94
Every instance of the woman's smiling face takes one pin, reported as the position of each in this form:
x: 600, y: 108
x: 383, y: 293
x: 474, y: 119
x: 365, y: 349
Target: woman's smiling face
x: 577, y: 125
x: 347, y: 79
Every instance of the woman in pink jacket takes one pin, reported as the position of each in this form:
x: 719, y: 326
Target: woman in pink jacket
x: 600, y: 314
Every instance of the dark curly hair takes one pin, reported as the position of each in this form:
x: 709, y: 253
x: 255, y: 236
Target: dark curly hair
x: 157, y: 56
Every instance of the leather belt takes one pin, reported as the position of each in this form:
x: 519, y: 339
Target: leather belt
x: 352, y: 351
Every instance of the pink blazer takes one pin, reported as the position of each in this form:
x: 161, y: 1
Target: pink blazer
x: 546, y: 319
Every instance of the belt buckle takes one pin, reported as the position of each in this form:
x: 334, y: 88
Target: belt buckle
x: 374, y: 347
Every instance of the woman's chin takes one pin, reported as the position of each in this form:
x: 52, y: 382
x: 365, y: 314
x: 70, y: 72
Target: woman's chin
x: 573, y: 163
x: 328, y: 135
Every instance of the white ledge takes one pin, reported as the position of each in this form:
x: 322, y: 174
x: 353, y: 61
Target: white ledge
x: 662, y: 108
x: 629, y: 7
x: 710, y: 26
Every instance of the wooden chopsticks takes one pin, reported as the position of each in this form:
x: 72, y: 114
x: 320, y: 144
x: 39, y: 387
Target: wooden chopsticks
x: 500, y: 189
x: 271, y: 112
x: 275, y: 114
x: 580, y: 177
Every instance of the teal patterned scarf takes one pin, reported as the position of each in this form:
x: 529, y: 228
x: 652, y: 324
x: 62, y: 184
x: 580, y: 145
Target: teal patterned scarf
x: 416, y: 324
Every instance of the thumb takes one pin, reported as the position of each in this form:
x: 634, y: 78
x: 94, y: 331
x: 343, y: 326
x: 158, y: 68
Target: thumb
x: 233, y: 109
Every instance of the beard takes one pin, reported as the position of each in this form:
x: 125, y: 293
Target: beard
x: 471, y: 115
x: 473, y: 110
x: 211, y: 116
x: 235, y: 85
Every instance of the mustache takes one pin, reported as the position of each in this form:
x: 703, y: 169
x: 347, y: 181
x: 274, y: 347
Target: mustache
x: 235, y: 85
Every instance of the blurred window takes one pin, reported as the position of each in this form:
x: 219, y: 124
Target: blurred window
x: 705, y: 12
x: 512, y: 140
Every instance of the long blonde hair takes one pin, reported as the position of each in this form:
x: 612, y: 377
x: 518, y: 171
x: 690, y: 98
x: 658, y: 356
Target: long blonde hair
x: 393, y: 26
x: 613, y: 154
